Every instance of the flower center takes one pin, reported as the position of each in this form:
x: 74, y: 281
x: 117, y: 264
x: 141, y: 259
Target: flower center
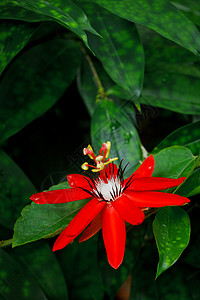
x: 108, y: 191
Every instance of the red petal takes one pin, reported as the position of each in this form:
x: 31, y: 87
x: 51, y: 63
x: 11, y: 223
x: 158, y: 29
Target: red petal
x: 93, y: 228
x: 78, y: 223
x: 60, y: 196
x: 128, y: 211
x: 154, y: 183
x: 155, y: 199
x: 77, y: 180
x: 114, y: 235
x: 145, y: 170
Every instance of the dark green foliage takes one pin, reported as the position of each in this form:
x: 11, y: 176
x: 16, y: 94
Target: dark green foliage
x: 136, y: 66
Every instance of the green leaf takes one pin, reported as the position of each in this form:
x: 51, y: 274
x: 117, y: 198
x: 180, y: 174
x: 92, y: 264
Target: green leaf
x: 113, y: 279
x: 65, y: 12
x: 9, y: 10
x: 44, y: 221
x: 172, y: 233
x: 15, y: 188
x: 41, y: 263
x: 173, y: 162
x: 191, y: 186
x: 80, y: 267
x: 13, y: 38
x: 191, y: 255
x: 159, y: 15
x: 171, y: 285
x: 174, y: 284
x: 187, y: 136
x: 38, y: 78
x: 15, y: 282
x: 190, y: 8
x: 119, y: 48
x: 169, y: 57
x: 175, y: 92
x: 111, y: 123
x: 143, y: 285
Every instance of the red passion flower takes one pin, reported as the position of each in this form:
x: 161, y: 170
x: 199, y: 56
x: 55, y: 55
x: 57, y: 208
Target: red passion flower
x: 114, y: 201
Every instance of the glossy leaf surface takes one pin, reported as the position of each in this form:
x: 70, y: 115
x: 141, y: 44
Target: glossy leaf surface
x: 10, y: 10
x: 43, y: 221
x: 38, y: 78
x: 84, y: 280
x: 188, y: 136
x: 191, y: 186
x: 173, y: 284
x: 13, y: 38
x: 15, y: 187
x: 111, y: 123
x: 161, y: 16
x: 173, y: 162
x: 175, y: 92
x: 21, y: 286
x: 64, y: 12
x: 172, y: 233
x: 41, y: 263
x: 119, y: 48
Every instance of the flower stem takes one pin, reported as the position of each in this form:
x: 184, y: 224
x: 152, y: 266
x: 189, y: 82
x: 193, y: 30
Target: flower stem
x: 101, y: 93
x: 6, y: 243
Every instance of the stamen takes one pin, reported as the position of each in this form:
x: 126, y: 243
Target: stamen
x: 99, y: 159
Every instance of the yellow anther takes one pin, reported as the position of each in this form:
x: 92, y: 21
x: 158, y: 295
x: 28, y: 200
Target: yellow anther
x: 100, y: 160
x: 85, y: 166
x: 108, y: 145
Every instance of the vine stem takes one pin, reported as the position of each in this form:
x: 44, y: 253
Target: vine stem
x: 6, y: 243
x: 100, y: 87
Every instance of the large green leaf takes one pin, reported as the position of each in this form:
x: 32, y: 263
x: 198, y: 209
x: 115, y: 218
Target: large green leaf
x: 80, y: 267
x: 64, y: 12
x: 38, y: 78
x: 191, y: 186
x: 13, y: 37
x: 167, y: 54
x: 119, y: 49
x: 43, y: 221
x: 41, y: 263
x: 188, y: 136
x: 15, y: 282
x: 191, y: 255
x: 111, y: 123
x: 113, y: 279
x: 159, y: 15
x: 175, y: 92
x: 9, y: 10
x: 172, y: 233
x: 143, y: 285
x: 174, y: 284
x: 173, y: 162
x: 14, y: 190
x: 171, y: 285
x: 190, y: 8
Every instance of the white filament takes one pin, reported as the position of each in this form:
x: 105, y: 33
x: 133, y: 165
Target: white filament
x: 108, y: 190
